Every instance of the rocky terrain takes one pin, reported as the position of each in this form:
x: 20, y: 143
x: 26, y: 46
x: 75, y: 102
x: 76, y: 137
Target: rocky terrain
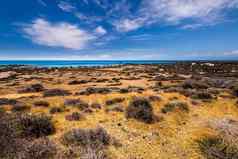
x: 187, y: 110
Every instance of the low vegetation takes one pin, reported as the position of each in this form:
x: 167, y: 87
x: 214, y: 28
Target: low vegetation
x: 56, y: 92
x: 175, y: 105
x: 224, y: 144
x: 35, y: 125
x: 21, y: 136
x: 175, y: 111
x: 92, y: 142
x: 140, y: 109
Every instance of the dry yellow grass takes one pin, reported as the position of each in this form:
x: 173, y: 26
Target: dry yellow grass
x: 172, y: 138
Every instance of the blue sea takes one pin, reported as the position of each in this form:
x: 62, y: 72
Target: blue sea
x: 81, y: 63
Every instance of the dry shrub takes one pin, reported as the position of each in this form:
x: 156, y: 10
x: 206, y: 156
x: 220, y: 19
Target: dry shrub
x: 154, y: 98
x: 19, y: 137
x: 203, y: 95
x: 75, y: 116
x: 140, y: 108
x: 6, y: 101
x: 41, y: 104
x: 76, y: 103
x: 158, y: 84
x: 114, y: 101
x: 87, y: 137
x: 92, y: 142
x: 8, y: 143
x: 235, y: 91
x: 114, y: 108
x: 194, y: 84
x: 90, y: 153
x: 19, y: 106
x: 54, y: 110
x: 216, y: 148
x: 56, y: 92
x: 76, y: 82
x: 224, y: 144
x: 32, y: 88
x: 226, y: 127
x: 96, y: 106
x: 41, y: 148
x: 94, y: 90
x: 175, y: 105
x: 35, y: 125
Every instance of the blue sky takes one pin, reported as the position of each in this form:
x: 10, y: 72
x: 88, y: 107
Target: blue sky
x: 119, y: 29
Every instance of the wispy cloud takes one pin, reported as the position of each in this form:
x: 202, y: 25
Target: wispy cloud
x: 100, y: 30
x: 66, y: 6
x: 126, y: 25
x: 176, y: 11
x: 189, y: 14
x: 61, y: 34
x: 41, y: 2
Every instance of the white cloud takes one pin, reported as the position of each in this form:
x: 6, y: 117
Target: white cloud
x: 126, y: 25
x: 176, y: 10
x: 65, y: 6
x: 100, y: 30
x: 192, y: 26
x: 61, y: 34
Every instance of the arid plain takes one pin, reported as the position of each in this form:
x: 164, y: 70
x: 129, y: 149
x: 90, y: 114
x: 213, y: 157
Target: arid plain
x: 177, y: 111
